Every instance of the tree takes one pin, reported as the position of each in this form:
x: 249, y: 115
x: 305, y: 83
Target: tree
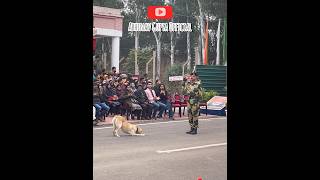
x: 157, y: 36
x: 172, y: 42
x: 216, y: 10
x: 144, y: 55
x: 135, y: 11
x: 138, y: 7
x: 174, y: 47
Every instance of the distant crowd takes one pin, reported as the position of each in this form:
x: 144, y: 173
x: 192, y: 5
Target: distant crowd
x: 121, y: 93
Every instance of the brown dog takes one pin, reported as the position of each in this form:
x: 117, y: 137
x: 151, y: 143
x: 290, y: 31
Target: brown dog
x: 120, y: 122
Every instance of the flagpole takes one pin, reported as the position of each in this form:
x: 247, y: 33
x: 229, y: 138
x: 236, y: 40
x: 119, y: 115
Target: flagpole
x: 206, y: 46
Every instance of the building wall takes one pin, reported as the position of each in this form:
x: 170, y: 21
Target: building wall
x: 108, y: 22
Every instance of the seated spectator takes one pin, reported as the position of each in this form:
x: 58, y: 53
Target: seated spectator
x: 129, y: 99
x: 143, y: 82
x: 94, y: 71
x: 136, y: 82
x: 105, y: 79
x: 101, y: 107
x: 100, y: 80
x: 111, y: 89
x: 123, y: 77
x: 94, y: 113
x: 121, y: 88
x: 143, y: 102
x: 94, y: 75
x: 156, y: 88
x: 112, y: 98
x: 109, y: 77
x: 133, y: 87
x: 154, y: 100
x: 164, y: 98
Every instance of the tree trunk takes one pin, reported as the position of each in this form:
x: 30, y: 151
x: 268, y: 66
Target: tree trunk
x: 136, y: 46
x: 172, y: 41
x: 201, y: 31
x: 218, y: 44
x: 158, y: 59
x: 225, y: 42
x: 172, y: 48
x: 188, y: 51
x: 196, y: 57
x: 158, y: 41
x: 104, y: 56
x: 199, y: 51
x: 188, y: 43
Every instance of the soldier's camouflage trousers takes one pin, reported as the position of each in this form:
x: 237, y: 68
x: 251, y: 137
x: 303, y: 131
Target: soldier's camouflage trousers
x: 193, y: 114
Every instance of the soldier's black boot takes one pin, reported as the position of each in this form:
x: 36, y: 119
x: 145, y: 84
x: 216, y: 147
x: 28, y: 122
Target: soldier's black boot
x: 196, y: 122
x: 191, y: 130
x: 194, y: 131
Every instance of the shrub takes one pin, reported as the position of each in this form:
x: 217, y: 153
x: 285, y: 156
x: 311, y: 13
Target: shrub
x: 208, y: 94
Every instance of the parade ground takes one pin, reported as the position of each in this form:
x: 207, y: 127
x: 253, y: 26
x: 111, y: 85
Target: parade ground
x: 166, y: 152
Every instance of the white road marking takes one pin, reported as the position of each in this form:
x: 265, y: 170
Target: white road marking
x: 110, y: 127
x: 191, y: 148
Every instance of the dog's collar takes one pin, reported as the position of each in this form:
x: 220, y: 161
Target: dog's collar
x: 137, y: 130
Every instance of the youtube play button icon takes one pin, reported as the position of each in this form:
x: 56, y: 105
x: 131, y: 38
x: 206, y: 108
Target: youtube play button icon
x: 159, y: 12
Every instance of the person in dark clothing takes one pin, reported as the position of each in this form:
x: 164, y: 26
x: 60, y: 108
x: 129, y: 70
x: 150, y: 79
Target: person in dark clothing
x: 143, y: 102
x: 156, y: 88
x: 143, y: 82
x: 136, y: 83
x: 101, y: 107
x: 114, y: 70
x: 122, y: 87
x: 111, y: 98
x: 128, y: 98
x: 164, y: 98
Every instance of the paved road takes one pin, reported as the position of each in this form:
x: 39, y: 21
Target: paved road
x: 136, y: 158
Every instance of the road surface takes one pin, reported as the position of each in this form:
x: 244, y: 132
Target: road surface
x: 165, y: 153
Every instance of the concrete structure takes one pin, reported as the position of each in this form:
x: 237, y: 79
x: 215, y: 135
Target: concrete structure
x: 108, y: 22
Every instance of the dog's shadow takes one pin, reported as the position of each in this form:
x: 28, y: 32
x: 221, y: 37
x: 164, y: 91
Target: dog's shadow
x: 128, y: 135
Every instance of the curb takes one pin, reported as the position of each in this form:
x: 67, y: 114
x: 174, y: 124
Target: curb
x: 106, y: 124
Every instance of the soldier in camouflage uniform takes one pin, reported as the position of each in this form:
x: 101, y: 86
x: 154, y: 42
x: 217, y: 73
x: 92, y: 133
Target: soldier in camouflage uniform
x: 194, y: 90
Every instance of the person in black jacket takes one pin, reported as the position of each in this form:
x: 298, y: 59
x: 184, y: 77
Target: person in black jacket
x: 156, y: 88
x: 111, y: 99
x: 164, y: 98
x: 141, y: 97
